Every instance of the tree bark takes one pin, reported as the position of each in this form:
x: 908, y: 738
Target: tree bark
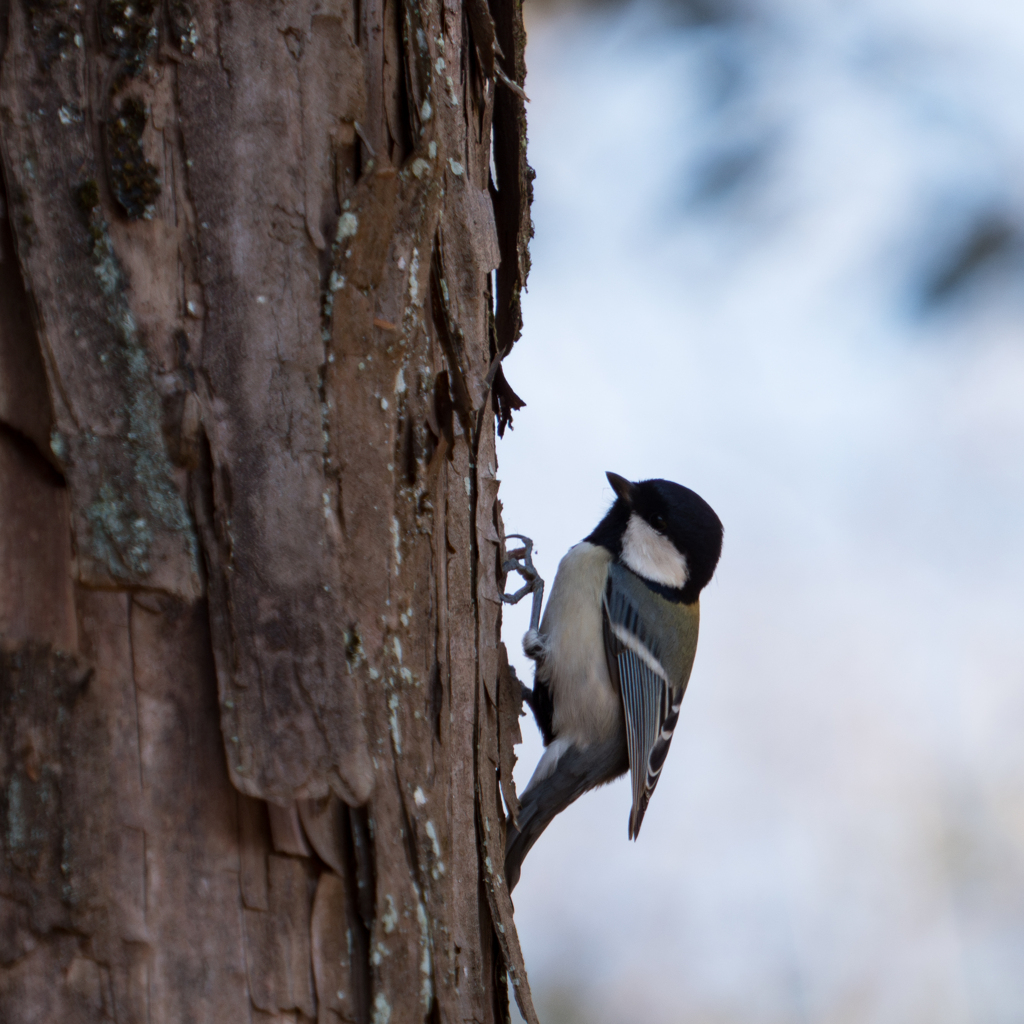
x: 254, y: 709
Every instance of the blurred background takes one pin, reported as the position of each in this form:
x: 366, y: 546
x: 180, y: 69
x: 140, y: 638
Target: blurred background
x: 779, y: 257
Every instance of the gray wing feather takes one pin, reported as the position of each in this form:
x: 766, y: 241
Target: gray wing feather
x: 651, y: 683
x: 643, y: 699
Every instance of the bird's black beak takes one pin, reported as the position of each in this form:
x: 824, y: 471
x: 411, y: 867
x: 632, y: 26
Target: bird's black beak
x: 621, y: 486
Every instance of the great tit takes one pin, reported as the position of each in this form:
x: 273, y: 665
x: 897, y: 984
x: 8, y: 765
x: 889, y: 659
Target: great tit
x: 614, y: 651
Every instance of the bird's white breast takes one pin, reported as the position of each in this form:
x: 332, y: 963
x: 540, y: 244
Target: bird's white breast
x: 586, y: 706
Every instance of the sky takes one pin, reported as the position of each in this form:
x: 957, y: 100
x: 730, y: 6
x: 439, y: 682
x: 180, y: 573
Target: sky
x: 779, y: 258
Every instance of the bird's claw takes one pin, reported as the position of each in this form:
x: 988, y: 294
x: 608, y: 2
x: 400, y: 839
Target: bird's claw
x: 520, y: 560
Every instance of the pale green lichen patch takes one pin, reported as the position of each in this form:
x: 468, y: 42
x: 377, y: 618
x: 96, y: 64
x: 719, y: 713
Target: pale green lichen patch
x: 120, y: 538
x: 426, y: 967
x: 348, y: 225
x: 438, y: 868
x: 396, y: 543
x: 414, y: 281
x: 381, y: 1009
x: 135, y: 495
x: 396, y: 736
x: 129, y: 31
x: 390, y: 916
x: 58, y: 445
x: 183, y: 28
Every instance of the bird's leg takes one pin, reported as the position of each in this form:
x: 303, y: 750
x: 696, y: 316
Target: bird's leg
x: 520, y: 561
x: 534, y: 644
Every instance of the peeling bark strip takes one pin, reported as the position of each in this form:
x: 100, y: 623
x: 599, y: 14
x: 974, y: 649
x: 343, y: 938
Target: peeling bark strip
x: 256, y: 243
x: 513, y: 196
x: 290, y: 708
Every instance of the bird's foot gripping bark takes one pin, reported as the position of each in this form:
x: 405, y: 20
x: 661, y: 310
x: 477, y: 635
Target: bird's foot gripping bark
x: 520, y: 560
x: 535, y: 645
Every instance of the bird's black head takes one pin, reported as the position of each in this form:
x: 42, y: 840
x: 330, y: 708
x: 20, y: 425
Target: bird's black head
x: 665, y: 533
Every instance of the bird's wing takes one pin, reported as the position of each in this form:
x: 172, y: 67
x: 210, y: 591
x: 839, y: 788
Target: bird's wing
x: 650, y: 643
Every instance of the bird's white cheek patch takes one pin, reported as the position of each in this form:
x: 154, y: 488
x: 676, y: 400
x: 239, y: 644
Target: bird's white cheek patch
x: 653, y: 556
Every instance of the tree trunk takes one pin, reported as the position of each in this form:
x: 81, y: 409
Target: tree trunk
x: 254, y: 708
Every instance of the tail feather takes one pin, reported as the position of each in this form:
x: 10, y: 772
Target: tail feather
x: 534, y: 816
x: 576, y: 771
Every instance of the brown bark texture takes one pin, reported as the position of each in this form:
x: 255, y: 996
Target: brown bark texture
x: 255, y: 715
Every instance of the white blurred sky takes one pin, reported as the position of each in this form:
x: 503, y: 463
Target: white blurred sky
x: 838, y: 834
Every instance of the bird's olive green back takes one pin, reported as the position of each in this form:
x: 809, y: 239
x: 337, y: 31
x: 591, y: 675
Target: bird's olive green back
x: 670, y: 628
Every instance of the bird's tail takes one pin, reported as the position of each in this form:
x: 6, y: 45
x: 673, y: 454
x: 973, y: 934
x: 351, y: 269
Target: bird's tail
x: 575, y: 771
x: 538, y: 807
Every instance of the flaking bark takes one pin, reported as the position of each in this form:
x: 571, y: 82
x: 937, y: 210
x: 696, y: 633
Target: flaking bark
x: 254, y: 710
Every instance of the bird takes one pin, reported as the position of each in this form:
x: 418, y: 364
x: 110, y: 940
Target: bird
x: 613, y: 652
